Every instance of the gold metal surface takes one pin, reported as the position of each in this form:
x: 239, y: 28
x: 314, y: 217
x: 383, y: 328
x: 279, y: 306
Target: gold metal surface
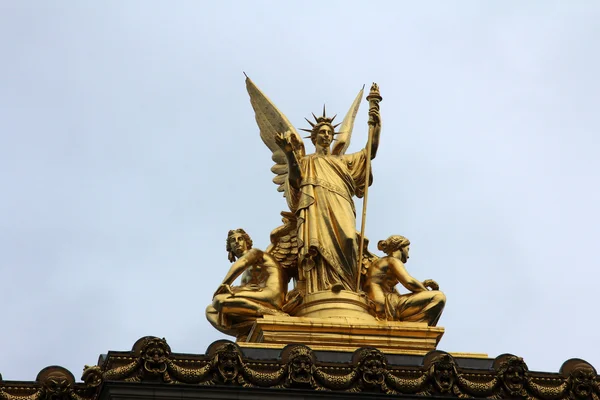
x: 255, y: 345
x: 346, y: 332
x: 319, y: 249
x: 326, y: 304
x: 383, y: 274
x: 261, y: 293
x: 374, y: 98
x: 319, y: 189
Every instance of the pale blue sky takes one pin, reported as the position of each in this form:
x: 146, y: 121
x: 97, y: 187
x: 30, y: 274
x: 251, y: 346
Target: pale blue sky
x: 128, y: 149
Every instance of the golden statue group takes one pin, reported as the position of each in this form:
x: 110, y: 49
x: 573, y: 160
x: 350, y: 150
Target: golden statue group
x: 318, y: 247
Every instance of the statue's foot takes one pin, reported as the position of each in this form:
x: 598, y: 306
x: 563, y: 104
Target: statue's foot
x: 269, y: 311
x: 337, y: 287
x: 294, y: 301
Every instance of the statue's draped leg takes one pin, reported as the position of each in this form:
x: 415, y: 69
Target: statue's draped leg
x: 328, y: 236
x: 426, y: 306
x: 327, y: 220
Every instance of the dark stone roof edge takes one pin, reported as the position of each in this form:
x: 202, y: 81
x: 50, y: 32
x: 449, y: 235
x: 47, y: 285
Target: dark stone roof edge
x: 297, y: 367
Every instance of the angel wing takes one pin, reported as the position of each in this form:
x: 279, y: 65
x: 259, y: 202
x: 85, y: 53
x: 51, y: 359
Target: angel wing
x: 368, y: 257
x: 271, y: 121
x: 345, y: 133
x: 284, y: 244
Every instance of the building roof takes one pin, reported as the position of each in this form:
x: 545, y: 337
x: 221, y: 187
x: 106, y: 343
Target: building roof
x: 296, y: 371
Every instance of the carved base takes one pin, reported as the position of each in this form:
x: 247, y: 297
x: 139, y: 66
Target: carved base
x: 327, y: 304
x: 345, y: 333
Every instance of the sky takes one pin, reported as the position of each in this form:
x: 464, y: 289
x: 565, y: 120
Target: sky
x: 128, y: 149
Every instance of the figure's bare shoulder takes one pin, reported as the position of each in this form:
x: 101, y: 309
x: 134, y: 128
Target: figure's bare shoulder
x: 257, y: 257
x: 387, y: 264
x: 253, y: 257
x: 394, y: 261
x: 383, y: 262
x: 269, y: 260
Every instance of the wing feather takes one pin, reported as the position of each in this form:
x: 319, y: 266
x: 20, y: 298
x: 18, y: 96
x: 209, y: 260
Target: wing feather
x: 270, y: 122
x: 284, y: 244
x: 279, y: 179
x: 343, y: 138
x: 278, y: 169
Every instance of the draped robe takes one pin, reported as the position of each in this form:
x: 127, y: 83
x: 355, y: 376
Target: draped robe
x: 327, y: 237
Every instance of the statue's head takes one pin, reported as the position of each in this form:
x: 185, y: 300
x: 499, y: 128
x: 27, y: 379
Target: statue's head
x: 395, y: 243
x: 238, y: 242
x: 322, y: 130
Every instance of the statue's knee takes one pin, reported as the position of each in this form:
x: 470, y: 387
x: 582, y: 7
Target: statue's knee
x: 439, y: 298
x: 211, y: 314
x: 218, y: 301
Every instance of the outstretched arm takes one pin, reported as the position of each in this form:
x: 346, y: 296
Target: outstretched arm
x: 404, y: 277
x: 286, y: 142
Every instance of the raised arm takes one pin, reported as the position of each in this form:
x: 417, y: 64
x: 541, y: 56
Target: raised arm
x: 375, y: 127
x: 404, y: 277
x: 374, y: 97
x: 286, y: 141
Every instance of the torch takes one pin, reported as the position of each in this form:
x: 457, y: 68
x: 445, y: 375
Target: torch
x: 373, y: 98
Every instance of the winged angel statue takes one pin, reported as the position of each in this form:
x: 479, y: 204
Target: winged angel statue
x: 318, y: 245
x: 319, y: 188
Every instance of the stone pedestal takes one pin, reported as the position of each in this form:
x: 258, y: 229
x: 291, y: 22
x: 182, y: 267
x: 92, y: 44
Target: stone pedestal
x: 344, y: 334
x: 328, y: 304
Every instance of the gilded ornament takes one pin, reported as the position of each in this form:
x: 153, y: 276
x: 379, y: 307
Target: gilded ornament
x: 513, y: 375
x: 300, y: 362
x: 383, y: 274
x: 318, y: 252
x: 299, y: 368
x: 372, y: 367
x: 262, y: 291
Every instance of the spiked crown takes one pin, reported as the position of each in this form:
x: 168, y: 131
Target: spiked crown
x: 319, y: 121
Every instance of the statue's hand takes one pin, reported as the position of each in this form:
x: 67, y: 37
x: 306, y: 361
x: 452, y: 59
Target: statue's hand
x: 294, y: 142
x: 284, y: 141
x: 222, y: 289
x: 280, y: 140
x: 374, y: 117
x: 430, y: 283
